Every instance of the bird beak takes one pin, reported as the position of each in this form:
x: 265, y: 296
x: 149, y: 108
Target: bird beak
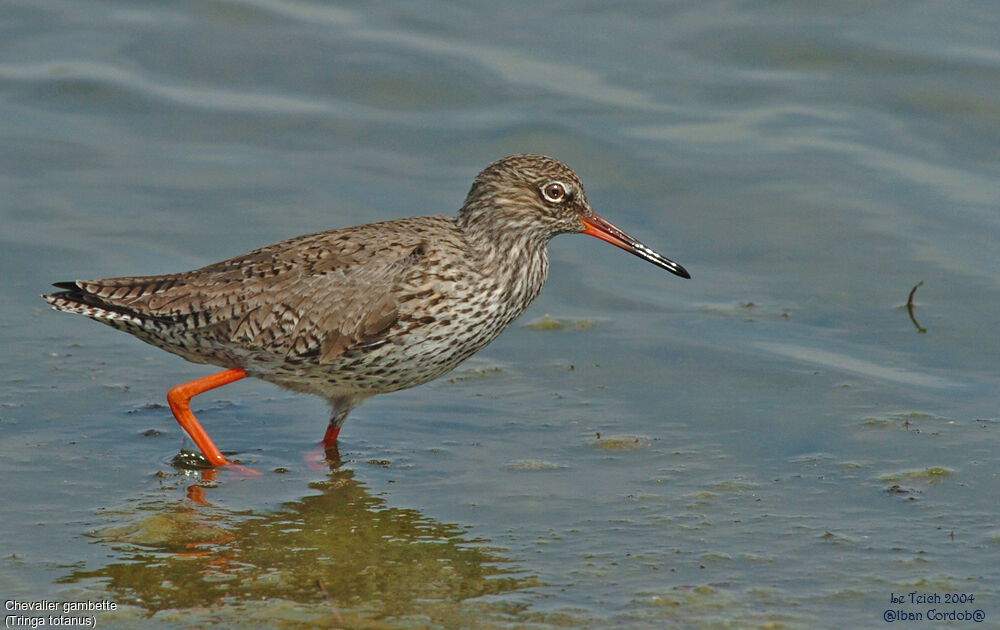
x: 599, y: 228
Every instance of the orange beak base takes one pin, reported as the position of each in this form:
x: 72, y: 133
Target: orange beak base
x: 599, y: 228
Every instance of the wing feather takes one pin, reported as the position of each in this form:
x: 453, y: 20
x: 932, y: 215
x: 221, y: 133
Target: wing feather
x: 317, y: 295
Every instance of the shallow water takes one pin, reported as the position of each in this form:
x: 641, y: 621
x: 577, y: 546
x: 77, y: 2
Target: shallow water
x: 774, y: 443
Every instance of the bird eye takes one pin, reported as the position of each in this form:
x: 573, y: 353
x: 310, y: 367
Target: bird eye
x: 554, y: 192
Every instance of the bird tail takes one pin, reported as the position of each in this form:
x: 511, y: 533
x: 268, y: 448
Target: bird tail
x: 84, y: 298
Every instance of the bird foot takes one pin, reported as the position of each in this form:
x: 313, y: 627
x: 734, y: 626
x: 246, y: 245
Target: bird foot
x: 321, y: 454
x: 190, y: 460
x: 241, y: 471
x: 314, y: 459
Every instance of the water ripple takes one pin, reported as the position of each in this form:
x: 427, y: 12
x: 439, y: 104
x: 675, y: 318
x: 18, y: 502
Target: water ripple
x: 69, y: 71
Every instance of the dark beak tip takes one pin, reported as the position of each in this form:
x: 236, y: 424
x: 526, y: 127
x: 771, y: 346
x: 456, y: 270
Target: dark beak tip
x: 597, y: 227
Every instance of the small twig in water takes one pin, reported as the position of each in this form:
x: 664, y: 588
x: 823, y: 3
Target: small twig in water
x: 909, y: 301
x: 909, y: 308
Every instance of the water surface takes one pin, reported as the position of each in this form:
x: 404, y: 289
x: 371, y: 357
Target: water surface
x: 774, y: 443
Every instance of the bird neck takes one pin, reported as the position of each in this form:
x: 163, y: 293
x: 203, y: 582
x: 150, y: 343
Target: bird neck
x: 513, y: 255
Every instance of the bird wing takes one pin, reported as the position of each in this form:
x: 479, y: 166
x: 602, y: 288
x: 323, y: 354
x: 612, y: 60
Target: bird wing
x: 317, y: 295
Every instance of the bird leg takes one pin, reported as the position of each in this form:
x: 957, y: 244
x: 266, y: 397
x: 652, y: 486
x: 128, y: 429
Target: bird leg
x: 179, y: 398
x: 342, y: 405
x: 327, y: 448
x: 330, y: 437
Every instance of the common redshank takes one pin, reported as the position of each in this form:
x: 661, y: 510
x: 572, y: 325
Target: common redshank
x: 363, y: 310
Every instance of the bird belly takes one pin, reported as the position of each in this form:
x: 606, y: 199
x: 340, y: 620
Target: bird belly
x: 424, y: 344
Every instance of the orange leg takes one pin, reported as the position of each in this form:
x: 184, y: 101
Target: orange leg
x: 180, y: 397
x: 330, y: 437
x: 325, y: 450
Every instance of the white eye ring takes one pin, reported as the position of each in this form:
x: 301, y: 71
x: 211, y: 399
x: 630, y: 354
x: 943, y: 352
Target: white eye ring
x: 555, y: 192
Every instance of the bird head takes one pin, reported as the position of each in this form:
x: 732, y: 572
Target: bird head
x: 538, y: 197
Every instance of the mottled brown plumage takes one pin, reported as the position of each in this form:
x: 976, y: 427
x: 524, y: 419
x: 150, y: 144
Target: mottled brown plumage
x: 376, y: 308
